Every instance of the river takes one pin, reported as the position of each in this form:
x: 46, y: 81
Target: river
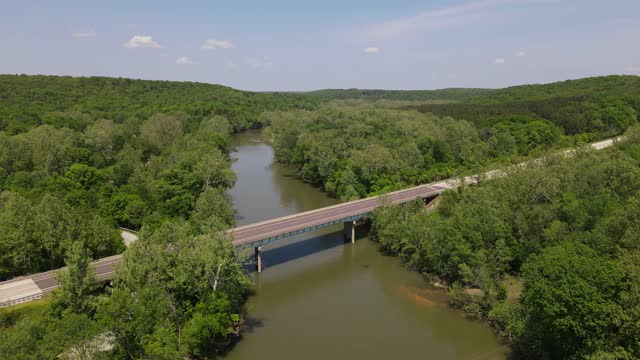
x: 321, y: 298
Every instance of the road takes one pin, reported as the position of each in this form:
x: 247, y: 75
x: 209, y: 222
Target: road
x: 32, y: 287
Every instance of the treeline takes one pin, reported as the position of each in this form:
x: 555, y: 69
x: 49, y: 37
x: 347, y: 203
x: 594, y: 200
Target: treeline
x: 76, y: 102
x: 597, y: 107
x: 569, y: 228
x: 359, y: 150
x: 441, y: 95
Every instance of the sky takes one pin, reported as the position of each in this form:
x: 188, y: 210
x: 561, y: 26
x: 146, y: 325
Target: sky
x: 299, y: 45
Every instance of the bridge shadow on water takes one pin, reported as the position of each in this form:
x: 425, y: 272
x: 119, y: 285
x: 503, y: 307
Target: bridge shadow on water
x: 315, y: 242
x: 306, y: 247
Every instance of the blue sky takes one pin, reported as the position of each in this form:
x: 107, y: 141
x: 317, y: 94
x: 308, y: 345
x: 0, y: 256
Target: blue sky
x: 304, y: 45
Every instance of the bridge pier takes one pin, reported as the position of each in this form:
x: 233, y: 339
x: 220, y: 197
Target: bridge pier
x: 350, y: 231
x: 258, y: 259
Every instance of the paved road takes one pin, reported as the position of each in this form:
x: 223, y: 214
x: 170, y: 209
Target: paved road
x: 27, y: 288
x: 249, y: 233
x: 31, y: 287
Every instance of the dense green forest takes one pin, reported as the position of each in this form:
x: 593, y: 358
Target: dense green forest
x: 355, y: 149
x: 76, y: 102
x: 595, y: 106
x: 180, y: 293
x: 569, y: 228
x: 80, y: 157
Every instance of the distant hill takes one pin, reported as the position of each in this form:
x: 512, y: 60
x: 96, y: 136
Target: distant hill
x: 578, y: 106
x: 26, y: 101
x: 452, y: 94
x: 619, y: 86
x: 597, y: 104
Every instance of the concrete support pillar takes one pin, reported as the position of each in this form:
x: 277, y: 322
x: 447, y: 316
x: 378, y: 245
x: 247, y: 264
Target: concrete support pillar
x: 350, y: 231
x: 258, y: 259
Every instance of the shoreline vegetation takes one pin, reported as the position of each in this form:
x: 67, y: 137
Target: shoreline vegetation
x: 81, y: 156
x: 568, y: 228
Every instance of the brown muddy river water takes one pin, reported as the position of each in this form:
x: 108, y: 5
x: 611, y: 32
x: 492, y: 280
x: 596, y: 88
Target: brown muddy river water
x: 321, y: 298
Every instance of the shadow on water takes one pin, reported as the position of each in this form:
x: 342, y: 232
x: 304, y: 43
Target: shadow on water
x: 250, y: 325
x: 307, y: 247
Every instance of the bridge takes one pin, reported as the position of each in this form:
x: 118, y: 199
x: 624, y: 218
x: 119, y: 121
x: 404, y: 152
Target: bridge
x: 256, y: 235
x: 262, y: 233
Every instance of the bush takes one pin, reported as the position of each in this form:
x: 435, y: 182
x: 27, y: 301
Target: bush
x: 508, y: 319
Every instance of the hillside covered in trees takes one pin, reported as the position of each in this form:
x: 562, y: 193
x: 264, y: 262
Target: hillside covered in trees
x: 75, y: 102
x: 355, y: 149
x: 596, y: 107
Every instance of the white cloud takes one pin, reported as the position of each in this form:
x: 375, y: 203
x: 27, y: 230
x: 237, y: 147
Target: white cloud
x: 85, y: 34
x: 520, y: 53
x: 184, y: 61
x: 259, y: 63
x: 371, y: 50
x: 499, y: 61
x: 213, y: 44
x: 141, y: 41
x: 452, y: 76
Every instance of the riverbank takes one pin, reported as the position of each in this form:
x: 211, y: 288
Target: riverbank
x: 320, y: 298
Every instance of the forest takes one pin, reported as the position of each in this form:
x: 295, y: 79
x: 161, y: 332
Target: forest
x: 552, y: 250
x: 357, y: 149
x: 76, y: 102
x: 568, y: 229
x: 80, y: 157
x: 599, y: 106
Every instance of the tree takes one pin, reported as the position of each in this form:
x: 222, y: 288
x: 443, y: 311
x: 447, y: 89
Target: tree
x: 170, y: 285
x: 46, y: 146
x: 213, y: 169
x: 54, y: 226
x: 77, y: 283
x: 161, y: 130
x: 102, y: 135
x: 570, y: 301
x: 18, y: 247
x: 83, y: 176
x: 213, y: 211
x: 127, y: 210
